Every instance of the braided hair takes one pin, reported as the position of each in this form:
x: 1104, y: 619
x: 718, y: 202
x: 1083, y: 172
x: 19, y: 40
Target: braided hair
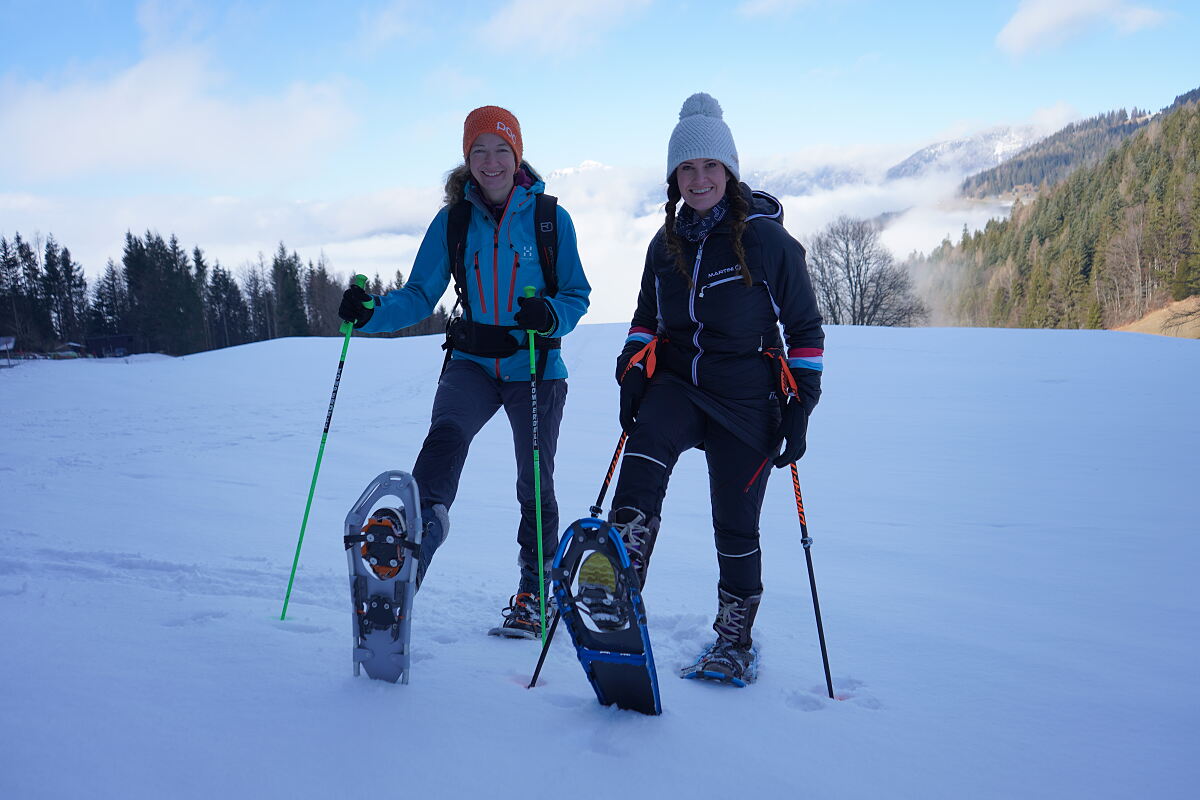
x: 739, y: 209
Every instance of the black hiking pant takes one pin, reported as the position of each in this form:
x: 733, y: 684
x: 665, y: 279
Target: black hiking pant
x: 467, y: 397
x: 669, y: 423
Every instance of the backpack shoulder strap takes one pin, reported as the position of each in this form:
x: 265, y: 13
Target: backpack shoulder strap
x: 545, y: 220
x: 457, y: 221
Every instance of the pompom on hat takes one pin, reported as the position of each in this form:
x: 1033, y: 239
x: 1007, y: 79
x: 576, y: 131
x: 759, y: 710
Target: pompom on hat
x: 702, y: 133
x: 492, y: 119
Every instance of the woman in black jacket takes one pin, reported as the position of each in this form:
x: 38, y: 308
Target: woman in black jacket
x: 704, y: 366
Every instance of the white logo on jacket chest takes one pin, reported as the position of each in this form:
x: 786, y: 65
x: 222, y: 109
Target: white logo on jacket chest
x: 726, y: 271
x: 527, y: 251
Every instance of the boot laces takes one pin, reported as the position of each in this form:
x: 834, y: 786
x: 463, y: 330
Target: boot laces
x: 731, y: 618
x: 635, y: 535
x: 522, y: 606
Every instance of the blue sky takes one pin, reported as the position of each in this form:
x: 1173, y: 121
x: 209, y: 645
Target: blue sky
x: 159, y: 108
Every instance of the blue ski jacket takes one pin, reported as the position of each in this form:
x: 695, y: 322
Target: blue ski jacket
x: 500, y: 259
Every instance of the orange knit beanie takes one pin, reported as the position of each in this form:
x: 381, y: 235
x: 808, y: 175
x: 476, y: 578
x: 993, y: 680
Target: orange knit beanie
x: 492, y: 119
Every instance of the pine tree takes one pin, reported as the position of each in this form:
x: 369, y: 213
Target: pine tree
x: 260, y: 302
x: 323, y: 294
x: 35, y: 325
x: 290, y: 316
x: 110, y: 303
x: 10, y: 288
x: 200, y: 283
x: 227, y: 312
x: 73, y: 317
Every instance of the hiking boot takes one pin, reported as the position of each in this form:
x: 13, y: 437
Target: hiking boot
x: 735, y: 617
x: 436, y: 522
x: 726, y: 662
x: 637, y: 534
x: 732, y: 658
x: 597, y: 596
x: 522, y: 618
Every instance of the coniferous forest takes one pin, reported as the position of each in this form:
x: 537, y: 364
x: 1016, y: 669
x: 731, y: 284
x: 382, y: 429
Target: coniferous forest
x: 163, y: 299
x: 1104, y: 247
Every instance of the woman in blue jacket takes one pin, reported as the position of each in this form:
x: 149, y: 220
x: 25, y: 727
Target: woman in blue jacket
x: 489, y: 223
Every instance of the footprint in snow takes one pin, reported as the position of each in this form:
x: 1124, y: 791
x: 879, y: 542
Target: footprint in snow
x: 199, y: 618
x: 300, y: 627
x: 852, y: 690
x: 805, y: 701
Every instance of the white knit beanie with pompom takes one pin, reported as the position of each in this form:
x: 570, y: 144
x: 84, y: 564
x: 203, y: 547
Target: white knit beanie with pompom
x: 701, y: 133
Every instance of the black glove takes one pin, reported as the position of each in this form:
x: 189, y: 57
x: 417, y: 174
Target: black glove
x: 628, y: 352
x: 633, y: 388
x: 793, y: 430
x: 352, y: 308
x: 535, y: 314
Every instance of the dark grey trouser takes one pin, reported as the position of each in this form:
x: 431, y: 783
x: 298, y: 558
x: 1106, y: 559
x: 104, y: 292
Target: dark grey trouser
x: 669, y: 423
x: 467, y: 397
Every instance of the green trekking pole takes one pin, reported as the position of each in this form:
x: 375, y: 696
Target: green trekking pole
x: 537, y: 471
x: 347, y: 329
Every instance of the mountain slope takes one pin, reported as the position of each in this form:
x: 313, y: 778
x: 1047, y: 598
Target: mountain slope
x: 1105, y: 247
x: 1080, y: 144
x: 965, y: 156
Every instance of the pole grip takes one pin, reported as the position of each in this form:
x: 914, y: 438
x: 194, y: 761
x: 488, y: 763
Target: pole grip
x: 361, y: 282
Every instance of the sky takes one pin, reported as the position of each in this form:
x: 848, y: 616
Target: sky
x: 329, y: 126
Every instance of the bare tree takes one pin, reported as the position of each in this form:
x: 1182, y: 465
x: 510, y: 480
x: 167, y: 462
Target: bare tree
x: 858, y: 281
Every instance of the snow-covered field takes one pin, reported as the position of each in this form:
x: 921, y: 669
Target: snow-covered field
x: 1006, y: 546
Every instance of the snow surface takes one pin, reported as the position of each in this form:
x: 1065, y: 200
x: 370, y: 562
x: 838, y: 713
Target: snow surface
x: 1005, y: 547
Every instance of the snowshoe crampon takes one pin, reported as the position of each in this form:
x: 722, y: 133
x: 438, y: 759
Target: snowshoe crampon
x: 381, y: 552
x: 722, y: 662
x: 522, y: 618
x: 600, y: 602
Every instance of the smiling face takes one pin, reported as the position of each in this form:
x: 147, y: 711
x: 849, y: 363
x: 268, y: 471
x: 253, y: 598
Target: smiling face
x: 493, y: 166
x: 701, y: 183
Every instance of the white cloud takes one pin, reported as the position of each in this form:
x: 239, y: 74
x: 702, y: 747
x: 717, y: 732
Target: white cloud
x: 164, y: 116
x: 1043, y: 23
x: 1053, y: 118
x: 398, y: 19
x: 373, y: 233
x: 554, y: 26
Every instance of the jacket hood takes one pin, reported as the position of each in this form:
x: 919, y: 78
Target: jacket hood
x: 762, y: 204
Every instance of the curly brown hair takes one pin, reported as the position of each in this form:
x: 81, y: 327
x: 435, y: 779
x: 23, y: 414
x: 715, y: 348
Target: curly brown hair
x: 456, y: 181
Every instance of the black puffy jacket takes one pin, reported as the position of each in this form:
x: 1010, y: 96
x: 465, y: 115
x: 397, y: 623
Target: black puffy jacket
x: 713, y: 330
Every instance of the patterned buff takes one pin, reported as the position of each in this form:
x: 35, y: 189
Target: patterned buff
x: 694, y: 228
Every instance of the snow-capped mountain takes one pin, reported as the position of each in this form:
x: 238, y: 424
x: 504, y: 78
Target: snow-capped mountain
x: 798, y: 183
x: 968, y: 155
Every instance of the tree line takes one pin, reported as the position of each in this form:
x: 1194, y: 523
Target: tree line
x: 1102, y: 248
x: 1045, y: 163
x: 1080, y: 144
x: 162, y: 298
